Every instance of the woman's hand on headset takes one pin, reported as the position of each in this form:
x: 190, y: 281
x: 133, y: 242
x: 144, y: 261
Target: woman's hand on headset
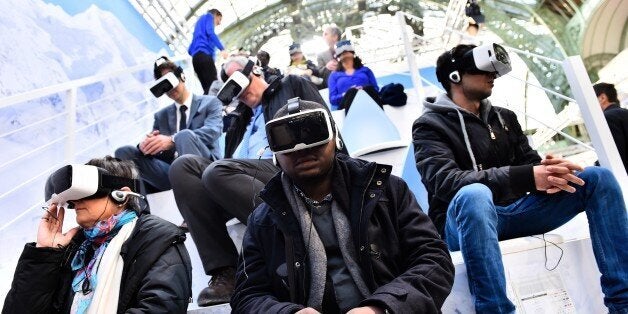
x: 50, y: 229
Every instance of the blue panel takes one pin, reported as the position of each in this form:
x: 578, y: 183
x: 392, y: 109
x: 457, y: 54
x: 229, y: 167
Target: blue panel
x: 125, y: 12
x: 428, y: 73
x: 366, y: 125
x: 412, y: 176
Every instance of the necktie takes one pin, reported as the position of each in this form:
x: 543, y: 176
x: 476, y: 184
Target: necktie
x: 183, y: 121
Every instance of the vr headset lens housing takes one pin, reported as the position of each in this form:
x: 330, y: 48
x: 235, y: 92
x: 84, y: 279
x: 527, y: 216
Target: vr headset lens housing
x: 491, y: 58
x: 233, y: 87
x: 76, y: 182
x: 299, y: 131
x: 164, y: 84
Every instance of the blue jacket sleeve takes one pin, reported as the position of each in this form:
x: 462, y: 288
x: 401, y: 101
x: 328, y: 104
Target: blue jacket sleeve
x: 372, y: 80
x: 335, y: 96
x: 211, y: 34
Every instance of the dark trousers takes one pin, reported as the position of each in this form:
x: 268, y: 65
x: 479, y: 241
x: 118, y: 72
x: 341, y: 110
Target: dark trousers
x: 210, y: 194
x: 347, y: 99
x: 205, y: 70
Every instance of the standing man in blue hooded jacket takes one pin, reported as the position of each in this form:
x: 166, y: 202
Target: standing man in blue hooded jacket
x: 203, y: 47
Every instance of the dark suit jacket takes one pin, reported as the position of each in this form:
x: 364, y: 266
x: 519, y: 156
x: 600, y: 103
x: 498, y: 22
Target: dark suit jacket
x: 204, y: 119
x: 617, y: 119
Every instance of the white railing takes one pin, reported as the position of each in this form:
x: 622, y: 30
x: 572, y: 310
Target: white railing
x: 581, y: 88
x: 71, y: 130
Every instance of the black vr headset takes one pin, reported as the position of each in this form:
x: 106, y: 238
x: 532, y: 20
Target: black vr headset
x: 167, y: 82
x: 235, y: 84
x: 490, y: 58
x: 299, y: 129
x: 76, y: 182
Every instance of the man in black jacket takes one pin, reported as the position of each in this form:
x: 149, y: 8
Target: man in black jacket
x: 336, y: 234
x: 616, y: 117
x: 209, y: 194
x: 485, y: 184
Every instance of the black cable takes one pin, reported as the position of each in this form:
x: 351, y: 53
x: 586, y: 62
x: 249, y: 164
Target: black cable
x: 545, y: 251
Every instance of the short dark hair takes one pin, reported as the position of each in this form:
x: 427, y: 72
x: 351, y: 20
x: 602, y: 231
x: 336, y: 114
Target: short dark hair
x: 167, y: 64
x: 606, y: 89
x: 357, y: 63
x: 445, y: 64
x: 214, y: 12
x: 119, y: 168
x: 263, y: 53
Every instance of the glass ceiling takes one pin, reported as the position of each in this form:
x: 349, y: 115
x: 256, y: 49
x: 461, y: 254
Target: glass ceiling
x: 554, y: 28
x: 174, y: 20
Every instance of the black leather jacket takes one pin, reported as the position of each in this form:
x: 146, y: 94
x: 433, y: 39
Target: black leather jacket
x: 156, y: 278
x: 275, y: 96
x: 403, y: 260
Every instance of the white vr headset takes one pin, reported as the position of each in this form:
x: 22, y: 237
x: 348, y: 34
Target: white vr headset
x: 164, y: 84
x: 76, y: 182
x: 491, y: 58
x: 236, y: 84
x: 299, y: 129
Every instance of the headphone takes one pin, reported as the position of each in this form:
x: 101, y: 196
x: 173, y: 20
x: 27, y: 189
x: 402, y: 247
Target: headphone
x: 178, y: 70
x: 455, y: 77
x: 121, y: 196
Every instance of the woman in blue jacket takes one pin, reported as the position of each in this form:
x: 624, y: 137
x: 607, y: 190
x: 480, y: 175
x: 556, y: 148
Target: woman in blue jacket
x: 350, y: 77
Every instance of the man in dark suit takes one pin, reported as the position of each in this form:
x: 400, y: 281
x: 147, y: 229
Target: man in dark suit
x: 616, y: 117
x: 191, y: 125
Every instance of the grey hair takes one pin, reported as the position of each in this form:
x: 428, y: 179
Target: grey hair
x: 240, y: 60
x: 119, y: 168
x: 335, y: 30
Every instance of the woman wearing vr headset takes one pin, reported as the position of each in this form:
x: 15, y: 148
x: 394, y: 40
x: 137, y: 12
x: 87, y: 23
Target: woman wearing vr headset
x: 299, y: 65
x: 117, y: 260
x: 349, y: 77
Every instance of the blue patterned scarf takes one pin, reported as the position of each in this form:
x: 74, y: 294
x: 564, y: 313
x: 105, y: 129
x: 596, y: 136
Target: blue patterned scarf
x: 97, y: 238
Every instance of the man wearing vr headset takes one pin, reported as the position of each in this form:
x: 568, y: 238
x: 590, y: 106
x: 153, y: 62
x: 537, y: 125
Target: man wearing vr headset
x: 485, y: 182
x: 336, y: 234
x: 119, y: 259
x: 208, y: 194
x: 191, y: 125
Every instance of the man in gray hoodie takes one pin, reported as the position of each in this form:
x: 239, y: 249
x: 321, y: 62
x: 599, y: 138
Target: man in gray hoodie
x: 486, y: 183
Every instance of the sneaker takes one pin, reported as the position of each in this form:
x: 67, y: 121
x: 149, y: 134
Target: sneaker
x: 219, y: 289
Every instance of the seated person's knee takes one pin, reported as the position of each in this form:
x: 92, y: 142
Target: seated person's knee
x: 126, y: 152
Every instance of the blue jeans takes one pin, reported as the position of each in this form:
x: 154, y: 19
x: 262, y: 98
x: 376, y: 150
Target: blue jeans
x: 475, y: 225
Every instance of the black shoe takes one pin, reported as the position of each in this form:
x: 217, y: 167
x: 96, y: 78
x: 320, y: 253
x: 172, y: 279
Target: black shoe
x: 220, y: 288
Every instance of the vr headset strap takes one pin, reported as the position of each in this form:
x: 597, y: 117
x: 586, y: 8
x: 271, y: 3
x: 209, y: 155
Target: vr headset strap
x: 248, y: 68
x: 293, y: 105
x: 115, y: 182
